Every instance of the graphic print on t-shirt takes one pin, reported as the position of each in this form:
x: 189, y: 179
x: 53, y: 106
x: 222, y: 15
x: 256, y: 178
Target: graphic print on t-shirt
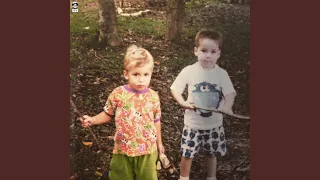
x: 206, y: 95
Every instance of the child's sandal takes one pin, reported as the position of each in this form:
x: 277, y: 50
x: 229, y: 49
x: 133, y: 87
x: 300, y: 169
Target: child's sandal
x: 158, y: 164
x: 164, y: 161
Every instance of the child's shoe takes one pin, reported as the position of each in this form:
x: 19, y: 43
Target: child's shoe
x: 211, y: 178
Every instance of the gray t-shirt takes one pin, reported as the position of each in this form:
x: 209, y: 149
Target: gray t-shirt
x: 206, y: 89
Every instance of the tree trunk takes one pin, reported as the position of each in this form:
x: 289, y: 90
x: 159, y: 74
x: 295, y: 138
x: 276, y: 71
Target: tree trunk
x: 175, y: 13
x: 108, y: 23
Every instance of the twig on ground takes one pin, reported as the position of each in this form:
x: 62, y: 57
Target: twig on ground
x: 244, y: 169
x: 135, y: 14
x: 238, y: 165
x: 74, y: 177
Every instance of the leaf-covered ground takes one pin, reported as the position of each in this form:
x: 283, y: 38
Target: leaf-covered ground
x: 94, y: 73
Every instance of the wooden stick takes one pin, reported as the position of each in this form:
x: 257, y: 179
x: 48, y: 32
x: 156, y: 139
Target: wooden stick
x: 90, y: 130
x: 219, y: 111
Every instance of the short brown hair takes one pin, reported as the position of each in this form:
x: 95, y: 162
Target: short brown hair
x: 137, y: 56
x: 207, y: 33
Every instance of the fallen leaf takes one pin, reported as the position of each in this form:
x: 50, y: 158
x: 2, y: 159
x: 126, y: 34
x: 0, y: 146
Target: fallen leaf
x: 171, y: 170
x: 87, y: 143
x: 98, y: 173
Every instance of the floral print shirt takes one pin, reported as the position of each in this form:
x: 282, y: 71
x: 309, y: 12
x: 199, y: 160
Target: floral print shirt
x: 135, y: 113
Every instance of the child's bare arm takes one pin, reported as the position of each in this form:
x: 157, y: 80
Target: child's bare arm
x: 159, y: 137
x: 100, y: 118
x: 178, y: 97
x: 229, y: 100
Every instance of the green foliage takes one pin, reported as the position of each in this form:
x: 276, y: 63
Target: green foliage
x: 189, y: 32
x: 84, y: 21
x: 145, y: 26
x: 176, y: 63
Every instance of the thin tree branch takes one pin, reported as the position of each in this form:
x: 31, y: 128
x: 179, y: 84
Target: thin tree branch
x: 238, y: 165
x: 219, y: 111
x: 90, y: 130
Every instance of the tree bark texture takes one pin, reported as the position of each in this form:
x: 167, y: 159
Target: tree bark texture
x: 108, y: 23
x: 175, y: 13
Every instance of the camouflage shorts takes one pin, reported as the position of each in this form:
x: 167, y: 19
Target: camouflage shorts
x: 212, y: 141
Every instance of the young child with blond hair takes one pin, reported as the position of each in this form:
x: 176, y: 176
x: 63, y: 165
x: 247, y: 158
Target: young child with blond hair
x: 136, y: 111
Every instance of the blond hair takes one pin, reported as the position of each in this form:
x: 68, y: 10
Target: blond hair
x: 136, y: 57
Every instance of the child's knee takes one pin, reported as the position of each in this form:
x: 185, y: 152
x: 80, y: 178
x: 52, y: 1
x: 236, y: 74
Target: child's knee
x: 209, y: 156
x: 188, y: 153
x: 186, y: 158
x: 186, y: 161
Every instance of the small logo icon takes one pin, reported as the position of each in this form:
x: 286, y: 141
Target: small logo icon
x: 74, y: 6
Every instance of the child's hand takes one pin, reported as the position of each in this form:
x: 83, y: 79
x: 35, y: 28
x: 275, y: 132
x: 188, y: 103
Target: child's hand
x: 226, y: 109
x: 187, y: 105
x: 161, y: 148
x: 86, y: 121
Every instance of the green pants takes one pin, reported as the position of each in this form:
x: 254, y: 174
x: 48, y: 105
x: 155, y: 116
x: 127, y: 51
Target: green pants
x: 124, y: 167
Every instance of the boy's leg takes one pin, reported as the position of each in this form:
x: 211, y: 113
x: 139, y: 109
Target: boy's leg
x: 190, y: 143
x: 145, y: 167
x: 215, y: 146
x: 121, y: 167
x: 185, y: 166
x: 212, y: 166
